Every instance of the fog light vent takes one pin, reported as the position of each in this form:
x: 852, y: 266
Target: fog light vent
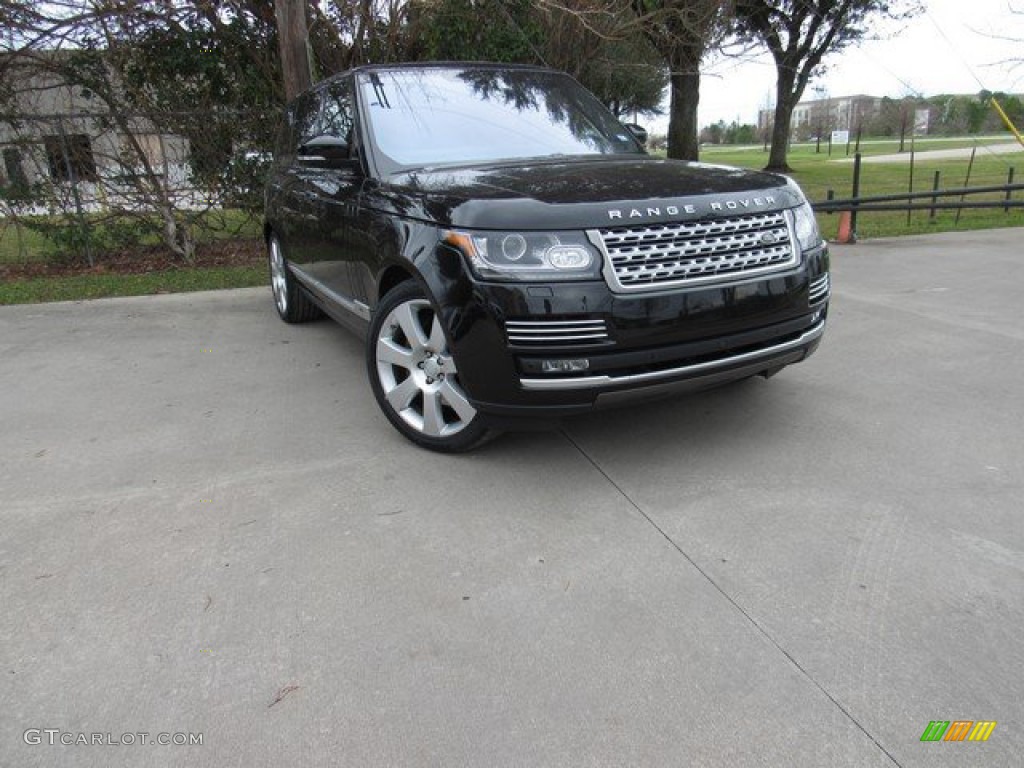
x: 556, y: 332
x: 819, y: 290
x: 576, y: 365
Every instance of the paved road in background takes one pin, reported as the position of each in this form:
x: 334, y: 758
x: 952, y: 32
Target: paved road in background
x: 206, y: 526
x: 941, y: 154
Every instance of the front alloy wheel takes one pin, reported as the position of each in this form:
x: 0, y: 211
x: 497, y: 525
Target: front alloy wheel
x: 414, y: 376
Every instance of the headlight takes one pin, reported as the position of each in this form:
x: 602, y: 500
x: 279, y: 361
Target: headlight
x: 528, y: 255
x: 804, y: 222
x: 806, y: 227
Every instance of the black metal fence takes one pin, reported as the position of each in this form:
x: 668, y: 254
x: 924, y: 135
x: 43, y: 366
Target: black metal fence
x: 933, y: 200
x: 895, y: 202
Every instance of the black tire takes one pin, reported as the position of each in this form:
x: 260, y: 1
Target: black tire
x: 292, y: 303
x: 414, y: 377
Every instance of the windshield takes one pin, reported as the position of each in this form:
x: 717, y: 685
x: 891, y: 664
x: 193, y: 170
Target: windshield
x: 430, y: 117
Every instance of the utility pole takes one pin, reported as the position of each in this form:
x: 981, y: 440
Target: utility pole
x: 293, y: 38
x: 823, y: 110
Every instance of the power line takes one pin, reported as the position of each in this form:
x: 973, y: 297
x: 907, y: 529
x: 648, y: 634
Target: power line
x: 877, y: 61
x: 955, y: 50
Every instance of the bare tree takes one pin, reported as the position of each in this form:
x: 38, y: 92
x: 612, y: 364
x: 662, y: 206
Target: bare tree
x: 1012, y: 62
x: 683, y: 31
x: 146, y: 90
x: 799, y: 34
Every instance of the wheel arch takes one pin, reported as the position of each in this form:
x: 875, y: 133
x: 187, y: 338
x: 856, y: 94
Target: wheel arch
x: 392, y: 275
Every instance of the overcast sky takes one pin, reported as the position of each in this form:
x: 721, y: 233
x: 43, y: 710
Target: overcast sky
x: 913, y: 57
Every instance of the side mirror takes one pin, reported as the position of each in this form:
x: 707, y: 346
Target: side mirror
x: 639, y: 132
x: 324, y: 150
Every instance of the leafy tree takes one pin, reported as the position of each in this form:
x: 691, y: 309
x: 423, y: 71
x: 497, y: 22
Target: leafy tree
x: 620, y: 67
x: 799, y: 34
x: 737, y: 133
x: 733, y: 133
x: 627, y: 76
x: 171, y: 72
x: 714, y: 133
x: 977, y: 111
x: 1014, y: 108
x: 152, y: 69
x: 479, y: 30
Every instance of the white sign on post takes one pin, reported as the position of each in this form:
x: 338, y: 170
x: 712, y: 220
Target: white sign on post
x: 921, y: 122
x: 840, y: 137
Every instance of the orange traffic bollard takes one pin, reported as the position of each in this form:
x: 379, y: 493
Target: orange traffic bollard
x: 845, y: 234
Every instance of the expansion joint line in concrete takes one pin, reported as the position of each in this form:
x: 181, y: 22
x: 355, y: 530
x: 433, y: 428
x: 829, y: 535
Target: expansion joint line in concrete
x: 746, y: 615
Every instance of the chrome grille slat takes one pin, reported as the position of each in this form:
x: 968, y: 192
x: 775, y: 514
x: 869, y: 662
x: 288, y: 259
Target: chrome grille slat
x: 819, y: 289
x: 556, y: 339
x: 554, y: 332
x: 653, y: 255
x: 548, y: 331
x: 550, y: 323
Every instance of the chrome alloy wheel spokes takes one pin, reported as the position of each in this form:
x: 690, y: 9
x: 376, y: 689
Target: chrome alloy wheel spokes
x: 418, y: 374
x: 278, y: 277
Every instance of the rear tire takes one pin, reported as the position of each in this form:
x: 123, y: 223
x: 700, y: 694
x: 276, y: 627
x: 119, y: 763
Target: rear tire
x: 413, y: 374
x: 292, y: 303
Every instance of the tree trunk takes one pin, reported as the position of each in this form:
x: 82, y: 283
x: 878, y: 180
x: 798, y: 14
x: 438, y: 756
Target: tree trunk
x: 292, y: 39
x: 784, y: 104
x: 682, y: 125
x: 177, y: 236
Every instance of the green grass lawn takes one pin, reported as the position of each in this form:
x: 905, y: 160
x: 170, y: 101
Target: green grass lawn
x: 21, y: 244
x: 817, y: 174
x: 78, y: 287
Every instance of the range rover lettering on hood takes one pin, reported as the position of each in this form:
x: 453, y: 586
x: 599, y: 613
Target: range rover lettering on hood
x: 675, y: 210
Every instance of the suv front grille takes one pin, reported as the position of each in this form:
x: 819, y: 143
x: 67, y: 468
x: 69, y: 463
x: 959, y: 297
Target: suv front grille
x: 657, y: 255
x: 572, y: 332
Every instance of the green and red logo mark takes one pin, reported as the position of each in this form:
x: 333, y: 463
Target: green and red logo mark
x: 958, y: 730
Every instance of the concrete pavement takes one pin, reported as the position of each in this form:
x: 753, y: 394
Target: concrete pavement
x: 207, y: 527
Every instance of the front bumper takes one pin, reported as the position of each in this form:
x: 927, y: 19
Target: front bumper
x: 635, y: 346
x: 761, y: 357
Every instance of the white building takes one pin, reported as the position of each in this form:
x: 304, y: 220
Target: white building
x: 56, y: 134
x: 820, y: 116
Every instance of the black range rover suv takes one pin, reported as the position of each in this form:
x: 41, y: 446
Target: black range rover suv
x: 508, y: 249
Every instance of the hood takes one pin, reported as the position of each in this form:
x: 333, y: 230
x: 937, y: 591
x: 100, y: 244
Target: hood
x: 580, y: 194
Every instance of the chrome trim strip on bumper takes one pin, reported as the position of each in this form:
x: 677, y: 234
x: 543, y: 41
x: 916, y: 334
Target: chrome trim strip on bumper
x: 517, y: 339
x: 589, y: 382
x: 549, y: 323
